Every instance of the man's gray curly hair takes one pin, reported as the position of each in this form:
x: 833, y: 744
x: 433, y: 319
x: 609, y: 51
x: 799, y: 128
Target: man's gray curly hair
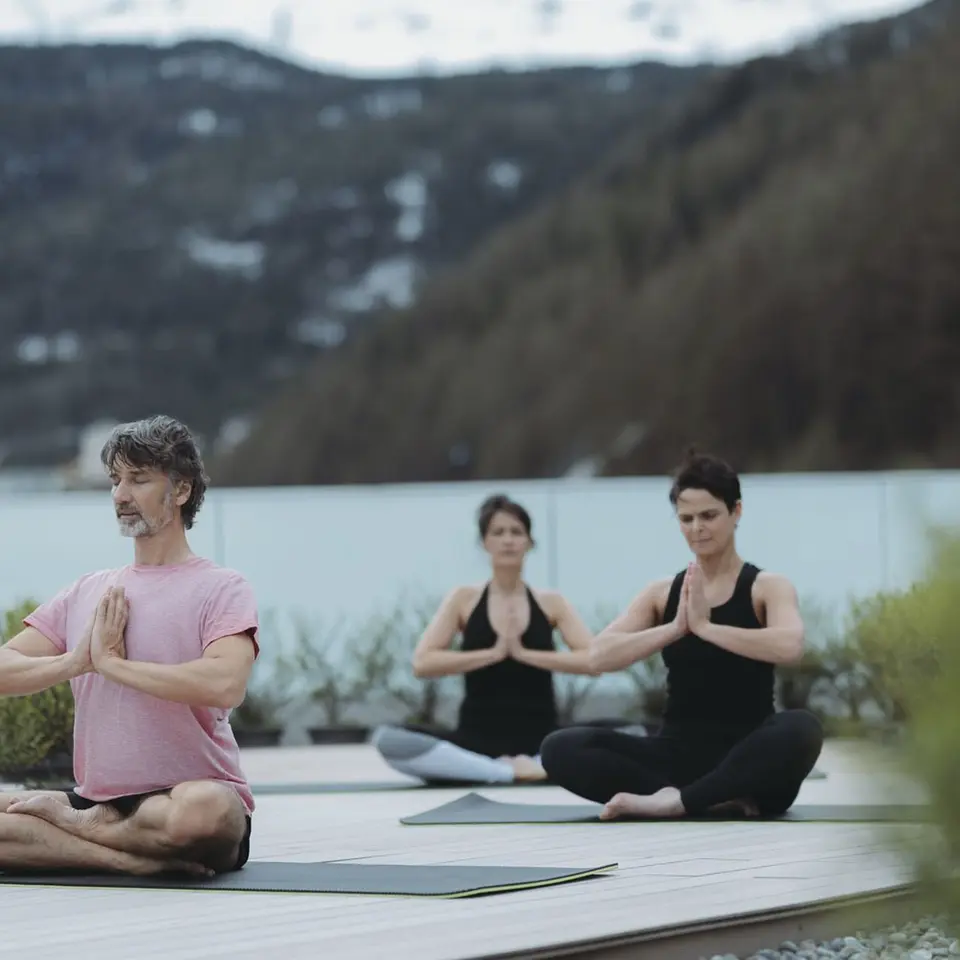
x: 162, y: 443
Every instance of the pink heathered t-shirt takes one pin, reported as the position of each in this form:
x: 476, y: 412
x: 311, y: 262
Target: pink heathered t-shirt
x: 129, y: 742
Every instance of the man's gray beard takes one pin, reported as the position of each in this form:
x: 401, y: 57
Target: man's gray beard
x: 133, y: 527
x: 138, y: 526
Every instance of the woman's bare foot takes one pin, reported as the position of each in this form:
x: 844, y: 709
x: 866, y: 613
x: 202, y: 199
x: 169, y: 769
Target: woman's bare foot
x: 79, y: 823
x: 663, y: 803
x: 525, y: 769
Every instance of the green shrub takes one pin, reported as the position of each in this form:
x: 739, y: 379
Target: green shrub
x: 931, y: 758
x: 899, y: 637
x: 910, y: 640
x: 35, y: 730
x: 862, y: 674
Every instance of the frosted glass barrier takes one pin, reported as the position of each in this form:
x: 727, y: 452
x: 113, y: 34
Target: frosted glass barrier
x: 826, y: 532
x: 48, y: 540
x: 912, y: 505
x: 356, y: 551
x: 612, y: 538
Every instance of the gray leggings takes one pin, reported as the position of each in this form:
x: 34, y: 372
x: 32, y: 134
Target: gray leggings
x: 430, y: 757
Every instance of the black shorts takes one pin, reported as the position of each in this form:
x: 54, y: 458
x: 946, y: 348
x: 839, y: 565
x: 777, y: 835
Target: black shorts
x: 127, y: 805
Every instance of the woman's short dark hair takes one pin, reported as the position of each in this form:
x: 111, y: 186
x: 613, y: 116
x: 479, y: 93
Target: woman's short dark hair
x: 501, y: 503
x: 703, y: 471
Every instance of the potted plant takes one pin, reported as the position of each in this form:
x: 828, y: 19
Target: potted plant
x: 420, y: 699
x: 649, y: 678
x: 36, y: 731
x: 797, y: 682
x: 256, y: 722
x: 316, y: 674
x: 36, y: 734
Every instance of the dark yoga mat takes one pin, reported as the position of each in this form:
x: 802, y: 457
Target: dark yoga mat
x: 475, y: 809
x: 384, y: 880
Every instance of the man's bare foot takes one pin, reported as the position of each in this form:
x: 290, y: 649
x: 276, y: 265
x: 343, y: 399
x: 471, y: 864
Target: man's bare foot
x: 736, y: 808
x: 525, y: 769
x: 79, y: 823
x: 663, y: 803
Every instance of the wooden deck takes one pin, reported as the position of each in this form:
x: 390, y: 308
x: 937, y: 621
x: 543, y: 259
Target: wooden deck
x: 669, y: 875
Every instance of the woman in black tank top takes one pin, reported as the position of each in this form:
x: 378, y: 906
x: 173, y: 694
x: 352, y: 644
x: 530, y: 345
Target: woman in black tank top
x: 506, y: 656
x: 722, y: 625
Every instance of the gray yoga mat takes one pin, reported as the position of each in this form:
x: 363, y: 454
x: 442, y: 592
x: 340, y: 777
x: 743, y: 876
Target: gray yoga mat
x: 288, y: 789
x: 372, y: 786
x: 476, y: 809
x: 382, y: 880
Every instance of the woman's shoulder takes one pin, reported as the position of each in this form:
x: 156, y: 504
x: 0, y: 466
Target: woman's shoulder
x: 464, y: 598
x: 554, y: 603
x: 548, y: 599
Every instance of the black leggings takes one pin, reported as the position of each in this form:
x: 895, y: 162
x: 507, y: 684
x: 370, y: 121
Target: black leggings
x: 765, y: 765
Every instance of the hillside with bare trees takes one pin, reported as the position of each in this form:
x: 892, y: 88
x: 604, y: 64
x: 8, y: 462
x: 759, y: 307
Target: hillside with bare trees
x: 772, y: 272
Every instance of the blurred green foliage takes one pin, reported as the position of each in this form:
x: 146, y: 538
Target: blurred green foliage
x: 919, y: 632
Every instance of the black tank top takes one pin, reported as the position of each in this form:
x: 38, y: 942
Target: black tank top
x: 508, y: 694
x: 710, y: 686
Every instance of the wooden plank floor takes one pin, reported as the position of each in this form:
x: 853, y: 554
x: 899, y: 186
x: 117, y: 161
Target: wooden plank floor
x: 669, y: 874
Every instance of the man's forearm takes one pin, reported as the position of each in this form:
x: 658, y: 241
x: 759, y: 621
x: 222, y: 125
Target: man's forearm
x: 21, y: 675
x: 197, y: 683
x: 617, y: 651
x: 769, y: 644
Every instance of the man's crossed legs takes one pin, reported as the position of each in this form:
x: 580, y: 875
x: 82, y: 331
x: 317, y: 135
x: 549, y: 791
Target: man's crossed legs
x: 200, y: 827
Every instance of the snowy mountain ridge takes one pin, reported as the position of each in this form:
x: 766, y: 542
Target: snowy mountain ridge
x: 398, y: 37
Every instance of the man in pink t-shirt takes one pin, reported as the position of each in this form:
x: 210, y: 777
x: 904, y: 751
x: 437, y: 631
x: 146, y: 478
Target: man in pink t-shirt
x: 157, y: 653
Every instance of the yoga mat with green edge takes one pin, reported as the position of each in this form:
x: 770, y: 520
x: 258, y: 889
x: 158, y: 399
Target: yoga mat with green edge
x: 382, y: 880
x: 476, y: 809
x: 371, y: 786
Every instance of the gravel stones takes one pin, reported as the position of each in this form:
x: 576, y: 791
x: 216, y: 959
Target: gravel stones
x: 924, y: 939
